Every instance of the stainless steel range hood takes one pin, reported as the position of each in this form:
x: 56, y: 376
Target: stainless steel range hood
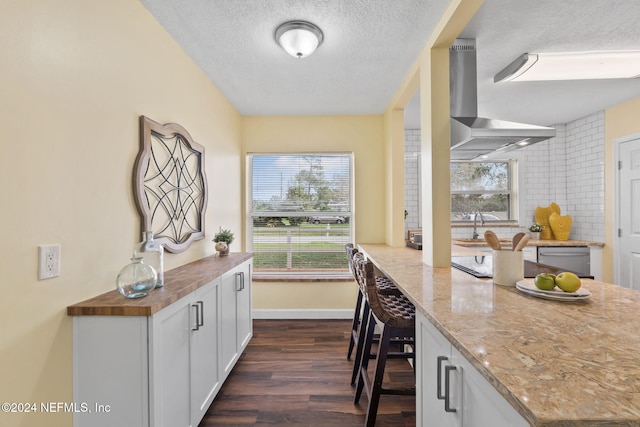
x: 473, y: 136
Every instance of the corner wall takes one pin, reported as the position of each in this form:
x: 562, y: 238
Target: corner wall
x: 76, y: 75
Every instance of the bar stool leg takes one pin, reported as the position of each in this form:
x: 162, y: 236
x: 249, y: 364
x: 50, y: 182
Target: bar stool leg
x: 376, y: 386
x: 355, y: 324
x: 362, y: 351
x: 365, y: 357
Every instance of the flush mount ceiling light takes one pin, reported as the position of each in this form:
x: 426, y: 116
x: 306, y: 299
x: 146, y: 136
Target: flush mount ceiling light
x: 299, y: 38
x: 572, y: 66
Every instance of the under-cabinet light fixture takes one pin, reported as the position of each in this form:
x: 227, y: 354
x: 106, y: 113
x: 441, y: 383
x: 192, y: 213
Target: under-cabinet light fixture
x: 572, y: 66
x: 299, y: 38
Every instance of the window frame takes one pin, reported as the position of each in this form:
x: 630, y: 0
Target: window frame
x: 299, y: 274
x: 512, y: 166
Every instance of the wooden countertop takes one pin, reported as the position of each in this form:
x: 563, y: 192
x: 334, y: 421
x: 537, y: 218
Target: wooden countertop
x: 557, y: 363
x: 178, y: 282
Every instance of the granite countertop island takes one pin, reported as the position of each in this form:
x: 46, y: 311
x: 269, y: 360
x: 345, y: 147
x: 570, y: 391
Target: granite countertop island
x: 558, y: 243
x: 557, y: 363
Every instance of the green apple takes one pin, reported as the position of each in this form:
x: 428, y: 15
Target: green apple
x: 568, y: 282
x: 545, y: 281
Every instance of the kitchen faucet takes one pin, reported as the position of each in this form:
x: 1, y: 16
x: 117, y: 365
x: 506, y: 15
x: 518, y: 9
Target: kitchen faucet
x: 475, y: 227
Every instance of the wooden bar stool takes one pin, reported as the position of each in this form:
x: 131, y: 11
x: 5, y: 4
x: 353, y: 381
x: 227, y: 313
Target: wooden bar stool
x: 396, y: 315
x: 362, y: 311
x: 385, y: 286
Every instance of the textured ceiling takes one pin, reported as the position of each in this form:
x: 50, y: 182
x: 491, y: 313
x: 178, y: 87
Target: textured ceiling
x: 370, y: 45
x: 505, y: 29
x: 368, y: 48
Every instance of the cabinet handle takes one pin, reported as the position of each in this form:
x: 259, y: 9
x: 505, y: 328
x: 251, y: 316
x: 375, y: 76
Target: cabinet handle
x: 201, y: 321
x: 197, y: 306
x: 565, y: 254
x: 439, y: 377
x: 240, y: 275
x: 447, y: 395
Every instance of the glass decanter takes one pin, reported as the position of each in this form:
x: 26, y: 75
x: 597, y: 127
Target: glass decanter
x: 136, y: 279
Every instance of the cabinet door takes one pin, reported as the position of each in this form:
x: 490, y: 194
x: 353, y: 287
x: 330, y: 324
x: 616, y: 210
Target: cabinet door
x: 205, y: 377
x: 229, y: 289
x: 245, y: 317
x: 236, y: 324
x: 170, y: 378
x: 483, y: 405
x: 435, y: 355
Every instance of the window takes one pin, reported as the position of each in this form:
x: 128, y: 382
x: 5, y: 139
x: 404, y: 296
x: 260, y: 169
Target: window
x: 301, y: 213
x: 485, y: 187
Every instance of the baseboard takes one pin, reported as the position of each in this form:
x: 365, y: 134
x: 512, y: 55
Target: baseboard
x: 303, y: 314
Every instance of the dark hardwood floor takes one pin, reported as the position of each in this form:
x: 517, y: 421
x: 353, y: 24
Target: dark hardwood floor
x: 296, y: 373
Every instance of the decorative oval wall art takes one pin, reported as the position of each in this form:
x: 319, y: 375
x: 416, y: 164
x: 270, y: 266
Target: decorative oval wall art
x: 169, y: 184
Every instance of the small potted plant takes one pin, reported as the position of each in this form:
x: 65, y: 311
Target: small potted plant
x: 535, y: 230
x: 223, y: 239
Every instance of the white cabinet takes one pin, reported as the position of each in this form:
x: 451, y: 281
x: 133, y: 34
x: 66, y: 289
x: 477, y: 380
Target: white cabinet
x: 236, y: 320
x: 482, y: 404
x: 170, y: 364
x: 205, y: 375
x: 162, y: 370
x: 184, y: 358
x: 450, y: 391
x: 110, y: 367
x: 434, y: 355
x: 530, y: 253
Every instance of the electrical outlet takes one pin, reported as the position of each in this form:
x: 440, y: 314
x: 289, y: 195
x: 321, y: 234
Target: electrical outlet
x: 48, y: 261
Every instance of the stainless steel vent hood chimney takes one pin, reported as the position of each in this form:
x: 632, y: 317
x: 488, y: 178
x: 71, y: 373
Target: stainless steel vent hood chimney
x: 473, y: 136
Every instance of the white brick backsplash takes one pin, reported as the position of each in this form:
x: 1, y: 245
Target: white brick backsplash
x: 567, y: 170
x: 412, y: 178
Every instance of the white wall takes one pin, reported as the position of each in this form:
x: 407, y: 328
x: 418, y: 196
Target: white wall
x: 569, y: 170
x: 585, y: 176
x: 542, y: 175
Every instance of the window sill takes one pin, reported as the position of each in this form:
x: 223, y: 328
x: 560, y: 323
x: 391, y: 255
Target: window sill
x: 256, y: 277
x: 486, y: 224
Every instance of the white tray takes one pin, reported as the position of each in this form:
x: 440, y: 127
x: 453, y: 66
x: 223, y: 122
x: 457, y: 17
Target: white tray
x: 528, y: 287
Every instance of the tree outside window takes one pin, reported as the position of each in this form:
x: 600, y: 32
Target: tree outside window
x: 301, y: 213
x: 484, y: 187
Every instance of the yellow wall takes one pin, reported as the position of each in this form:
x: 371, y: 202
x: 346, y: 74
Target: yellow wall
x: 620, y: 121
x: 431, y: 73
x: 76, y: 75
x: 394, y: 177
x: 362, y: 135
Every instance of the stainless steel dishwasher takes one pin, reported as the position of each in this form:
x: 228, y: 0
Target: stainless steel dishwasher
x: 571, y: 258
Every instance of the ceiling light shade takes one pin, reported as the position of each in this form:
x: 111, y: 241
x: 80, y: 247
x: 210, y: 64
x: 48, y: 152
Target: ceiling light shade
x: 572, y: 66
x: 299, y: 38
